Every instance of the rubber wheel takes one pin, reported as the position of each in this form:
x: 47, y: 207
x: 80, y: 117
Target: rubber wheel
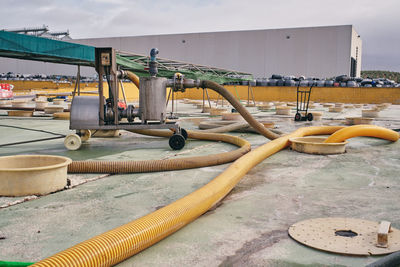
x: 297, y: 117
x: 310, y: 117
x: 184, y: 133
x: 72, y: 142
x: 177, y: 142
x: 85, y: 135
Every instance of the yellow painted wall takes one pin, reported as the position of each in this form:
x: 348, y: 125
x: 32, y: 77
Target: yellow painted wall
x: 318, y: 94
x: 269, y: 93
x: 29, y: 85
x: 131, y: 91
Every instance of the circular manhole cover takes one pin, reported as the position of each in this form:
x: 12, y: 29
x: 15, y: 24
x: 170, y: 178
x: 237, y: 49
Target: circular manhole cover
x: 344, y: 236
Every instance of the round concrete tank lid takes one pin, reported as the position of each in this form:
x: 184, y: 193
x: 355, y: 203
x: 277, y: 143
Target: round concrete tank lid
x: 344, y: 235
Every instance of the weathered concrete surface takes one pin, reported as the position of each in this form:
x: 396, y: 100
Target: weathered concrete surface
x: 248, y: 228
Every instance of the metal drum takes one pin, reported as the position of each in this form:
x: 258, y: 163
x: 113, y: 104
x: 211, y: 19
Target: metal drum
x: 84, y: 112
x: 152, y: 99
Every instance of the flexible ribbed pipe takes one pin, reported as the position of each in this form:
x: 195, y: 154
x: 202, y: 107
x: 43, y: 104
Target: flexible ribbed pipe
x: 125, y: 241
x: 167, y: 164
x: 214, y: 128
x: 241, y: 126
x: 240, y: 108
x: 362, y: 130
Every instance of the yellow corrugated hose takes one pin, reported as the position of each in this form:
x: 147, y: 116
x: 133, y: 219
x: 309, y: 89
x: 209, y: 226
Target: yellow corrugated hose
x: 362, y: 130
x: 133, y: 77
x: 125, y: 241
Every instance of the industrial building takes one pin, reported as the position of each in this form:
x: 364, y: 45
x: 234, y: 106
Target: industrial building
x: 313, y: 51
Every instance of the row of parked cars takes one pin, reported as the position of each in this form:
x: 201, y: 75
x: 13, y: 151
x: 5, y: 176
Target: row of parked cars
x: 339, y: 81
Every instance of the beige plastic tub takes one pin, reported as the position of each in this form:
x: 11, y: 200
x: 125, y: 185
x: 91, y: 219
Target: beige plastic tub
x: 316, y: 145
x: 40, y: 104
x: 282, y: 110
x: 250, y: 105
x: 58, y: 101
x: 61, y: 115
x: 336, y: 109
x: 264, y: 107
x: 370, y: 113
x: 207, y: 109
x: 25, y: 175
x: 231, y: 116
x: 339, y: 105
x: 5, y: 103
x: 328, y: 105
x: 317, y: 116
x: 19, y: 103
x: 358, y: 120
x: 53, y: 109
x: 217, y: 111
x: 20, y: 113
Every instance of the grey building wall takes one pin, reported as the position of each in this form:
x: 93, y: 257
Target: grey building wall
x: 314, y: 51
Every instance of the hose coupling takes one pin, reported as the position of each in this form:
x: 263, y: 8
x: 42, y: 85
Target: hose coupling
x: 121, y: 74
x: 180, y: 83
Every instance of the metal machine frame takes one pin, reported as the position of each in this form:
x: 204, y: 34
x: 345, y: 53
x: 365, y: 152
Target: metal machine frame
x: 100, y: 113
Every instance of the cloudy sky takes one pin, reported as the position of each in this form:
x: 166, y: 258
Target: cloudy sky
x: 377, y: 21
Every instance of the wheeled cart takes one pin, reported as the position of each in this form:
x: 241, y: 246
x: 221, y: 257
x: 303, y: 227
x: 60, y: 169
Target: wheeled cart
x: 303, y: 100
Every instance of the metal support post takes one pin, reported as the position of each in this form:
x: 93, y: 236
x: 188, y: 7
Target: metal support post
x: 203, y: 101
x: 77, y: 82
x: 123, y: 91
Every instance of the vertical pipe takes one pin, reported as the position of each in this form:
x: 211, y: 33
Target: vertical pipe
x: 101, y: 95
x: 169, y: 95
x: 78, y: 79
x: 172, y: 100
x: 297, y: 98
x: 123, y: 91
x: 252, y: 95
x: 248, y: 94
x: 114, y: 85
x: 208, y: 98
x: 203, y: 101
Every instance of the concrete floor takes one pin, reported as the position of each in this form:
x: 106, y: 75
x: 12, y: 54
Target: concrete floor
x: 249, y: 228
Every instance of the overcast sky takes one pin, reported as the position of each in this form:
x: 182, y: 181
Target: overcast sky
x: 377, y: 21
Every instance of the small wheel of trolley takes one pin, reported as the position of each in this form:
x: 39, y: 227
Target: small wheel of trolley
x: 184, y: 133
x: 85, y: 135
x: 176, y: 142
x: 310, y: 117
x: 297, y: 117
x: 72, y: 142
